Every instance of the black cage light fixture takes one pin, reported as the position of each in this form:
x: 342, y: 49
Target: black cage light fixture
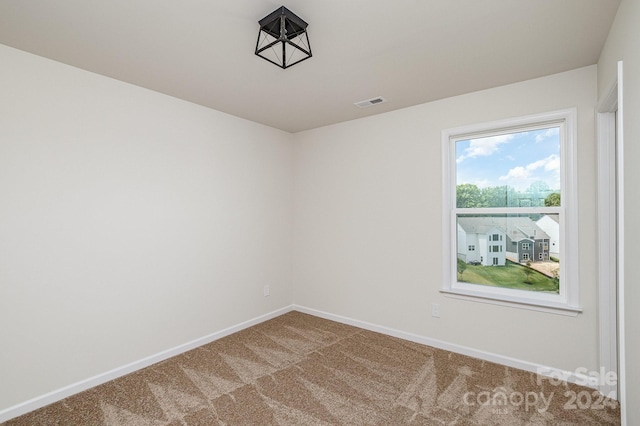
x: 283, y: 39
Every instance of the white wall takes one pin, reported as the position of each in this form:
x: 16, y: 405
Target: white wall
x: 130, y: 223
x: 622, y: 44
x: 367, y: 230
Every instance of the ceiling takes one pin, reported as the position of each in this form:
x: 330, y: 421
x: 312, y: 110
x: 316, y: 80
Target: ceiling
x: 407, y: 51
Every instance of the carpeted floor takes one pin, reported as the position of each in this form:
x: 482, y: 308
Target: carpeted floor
x: 302, y: 370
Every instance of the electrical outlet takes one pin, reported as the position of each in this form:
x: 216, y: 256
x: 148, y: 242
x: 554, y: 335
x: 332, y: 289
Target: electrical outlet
x: 435, y: 310
x: 266, y: 291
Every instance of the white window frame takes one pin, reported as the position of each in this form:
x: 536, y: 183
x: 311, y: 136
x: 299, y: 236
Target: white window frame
x: 567, y: 301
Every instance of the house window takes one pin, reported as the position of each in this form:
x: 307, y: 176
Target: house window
x: 472, y: 248
x: 495, y: 261
x: 507, y: 176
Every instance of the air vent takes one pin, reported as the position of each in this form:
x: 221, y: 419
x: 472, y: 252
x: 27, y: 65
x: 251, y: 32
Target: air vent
x: 370, y: 102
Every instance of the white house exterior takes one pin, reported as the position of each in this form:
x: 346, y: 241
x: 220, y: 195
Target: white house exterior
x: 550, y: 225
x: 491, y: 240
x: 481, y: 241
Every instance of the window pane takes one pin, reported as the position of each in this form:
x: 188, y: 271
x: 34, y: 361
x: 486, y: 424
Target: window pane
x: 525, y: 256
x: 519, y: 169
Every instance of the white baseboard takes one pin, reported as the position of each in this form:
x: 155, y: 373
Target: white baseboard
x: 57, y: 395
x: 550, y: 372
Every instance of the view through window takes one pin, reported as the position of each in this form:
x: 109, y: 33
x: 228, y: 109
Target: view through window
x: 510, y: 225
x: 510, y: 185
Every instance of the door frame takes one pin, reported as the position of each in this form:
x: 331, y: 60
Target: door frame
x: 609, y: 122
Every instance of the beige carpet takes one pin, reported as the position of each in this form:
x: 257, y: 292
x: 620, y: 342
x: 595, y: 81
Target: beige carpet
x: 301, y: 370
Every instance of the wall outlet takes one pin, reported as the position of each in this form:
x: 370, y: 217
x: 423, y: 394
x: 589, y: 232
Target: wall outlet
x: 266, y: 291
x: 435, y: 310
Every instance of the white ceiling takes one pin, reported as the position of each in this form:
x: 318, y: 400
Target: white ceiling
x: 408, y: 51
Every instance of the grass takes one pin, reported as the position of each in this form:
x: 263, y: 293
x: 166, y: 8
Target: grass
x: 512, y: 275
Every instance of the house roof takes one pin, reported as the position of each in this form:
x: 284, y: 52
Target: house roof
x: 553, y: 217
x: 516, y: 228
x: 409, y: 52
x: 481, y: 225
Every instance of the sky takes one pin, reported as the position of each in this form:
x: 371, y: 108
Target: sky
x: 514, y: 159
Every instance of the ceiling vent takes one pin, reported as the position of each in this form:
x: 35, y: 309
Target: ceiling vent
x: 370, y: 102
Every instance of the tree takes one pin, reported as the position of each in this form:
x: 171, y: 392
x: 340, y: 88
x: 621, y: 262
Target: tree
x: 538, y: 187
x: 528, y: 271
x: 537, y: 191
x: 552, y: 200
x: 462, y: 266
x: 497, y: 196
x: 468, y: 195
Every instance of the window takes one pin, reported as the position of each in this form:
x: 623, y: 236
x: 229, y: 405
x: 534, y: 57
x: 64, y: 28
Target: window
x: 472, y: 248
x: 500, y: 179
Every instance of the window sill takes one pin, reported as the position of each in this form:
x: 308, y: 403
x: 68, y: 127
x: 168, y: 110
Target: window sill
x: 513, y: 302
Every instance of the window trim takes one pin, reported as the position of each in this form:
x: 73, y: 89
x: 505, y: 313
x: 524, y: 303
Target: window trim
x: 567, y: 302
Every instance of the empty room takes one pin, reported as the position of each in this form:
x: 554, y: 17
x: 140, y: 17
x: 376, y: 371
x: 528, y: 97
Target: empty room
x: 364, y: 212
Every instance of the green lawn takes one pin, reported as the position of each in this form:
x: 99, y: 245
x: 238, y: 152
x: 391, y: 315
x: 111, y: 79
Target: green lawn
x: 512, y: 275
